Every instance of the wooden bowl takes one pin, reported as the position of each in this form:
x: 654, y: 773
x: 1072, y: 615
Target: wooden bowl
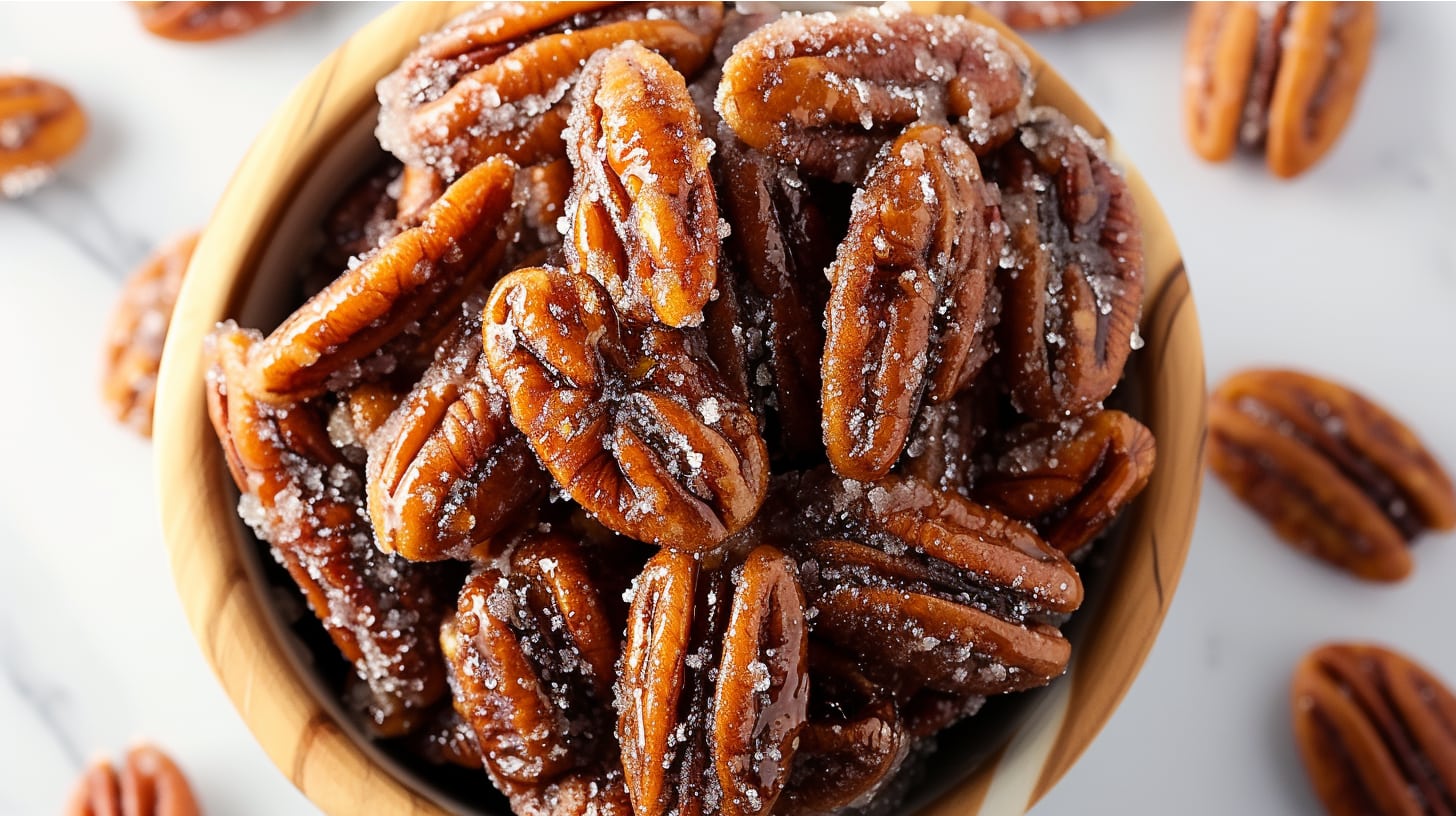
x: 1000, y: 762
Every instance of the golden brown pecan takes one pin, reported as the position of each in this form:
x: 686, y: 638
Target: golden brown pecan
x: 1069, y: 479
x: 302, y: 497
x: 138, y: 330
x: 419, y: 187
x: 908, y: 312
x: 1071, y: 278
x: 1334, y: 473
x: 807, y: 90
x: 449, y: 473
x: 1276, y: 77
x: 149, y: 784
x: 1377, y: 732
x: 497, y: 79
x: 644, y: 215
x: 545, y: 189
x: 633, y: 421
x: 40, y: 124
x: 203, y: 21
x: 707, y: 731
x: 411, y: 286
x: 1035, y: 16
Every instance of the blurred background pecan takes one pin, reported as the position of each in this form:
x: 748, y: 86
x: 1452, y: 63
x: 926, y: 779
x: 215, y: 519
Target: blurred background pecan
x: 1035, y: 16
x: 149, y: 784
x: 203, y: 21
x: 40, y: 124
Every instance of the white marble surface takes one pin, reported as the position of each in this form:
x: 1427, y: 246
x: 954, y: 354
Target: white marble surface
x: 1350, y: 270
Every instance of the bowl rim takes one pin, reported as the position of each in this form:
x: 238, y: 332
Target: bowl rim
x: 303, y: 735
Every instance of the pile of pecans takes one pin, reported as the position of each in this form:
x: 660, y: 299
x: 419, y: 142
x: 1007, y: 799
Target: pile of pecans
x: 706, y: 409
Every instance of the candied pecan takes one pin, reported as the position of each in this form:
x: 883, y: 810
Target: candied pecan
x: 908, y: 310
x: 204, y: 21
x: 1071, y: 277
x: 496, y: 80
x: 361, y: 221
x: 1276, y: 77
x: 808, y: 91
x: 1377, y: 732
x: 1035, y: 16
x: 449, y: 472
x: 40, y: 124
x: 1334, y: 473
x: 445, y: 738
x: 1069, y: 479
x: 943, y: 447
x: 633, y: 421
x: 689, y: 713
x: 303, y: 498
x: 138, y: 330
x: 419, y: 187
x: 150, y: 784
x: 414, y: 281
x: 545, y: 188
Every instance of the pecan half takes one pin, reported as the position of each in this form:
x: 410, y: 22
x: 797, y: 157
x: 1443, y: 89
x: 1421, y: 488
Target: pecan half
x: 1070, y: 479
x: 1334, y: 473
x: 1036, y: 16
x: 1071, y: 277
x: 497, y: 79
x: 204, y: 21
x: 908, y: 309
x: 414, y: 283
x: 1377, y: 732
x: 303, y: 498
x: 633, y: 421
x: 40, y: 124
x: 1276, y: 77
x: 446, y: 738
x: 138, y: 330
x: 644, y: 212
x: 808, y: 91
x: 149, y: 784
x: 944, y: 448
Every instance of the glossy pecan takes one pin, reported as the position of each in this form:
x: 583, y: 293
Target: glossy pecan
x: 149, y: 784
x: 1036, y: 16
x: 807, y: 91
x: 419, y: 187
x: 908, y: 314
x: 204, y: 21
x: 497, y: 79
x: 411, y: 286
x: 358, y: 417
x: 1071, y: 277
x: 644, y: 212
x: 690, y: 712
x: 1276, y: 77
x: 138, y: 330
x: 545, y: 189
x: 449, y: 473
x: 302, y: 497
x: 1377, y: 732
x: 1334, y: 473
x: 633, y: 421
x: 944, y: 447
x: 445, y: 738
x: 1069, y: 479
x: 40, y: 124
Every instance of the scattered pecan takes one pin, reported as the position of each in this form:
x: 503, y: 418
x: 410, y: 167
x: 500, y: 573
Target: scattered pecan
x: 419, y: 277
x: 204, y: 21
x: 1276, y: 77
x: 806, y: 90
x: 1069, y: 479
x: 40, y: 124
x: 150, y: 784
x: 497, y: 79
x: 1334, y: 473
x: 138, y: 330
x: 1072, y: 275
x: 303, y: 498
x: 908, y: 310
x: 633, y: 421
x: 1377, y: 732
x: 1035, y: 16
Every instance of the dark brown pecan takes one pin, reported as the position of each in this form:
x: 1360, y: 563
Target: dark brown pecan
x: 944, y: 446
x: 360, y: 222
x: 303, y: 498
x: 808, y: 91
x: 908, y: 313
x: 705, y: 731
x: 445, y: 738
x: 644, y: 215
x: 497, y: 80
x: 633, y: 421
x: 1069, y: 479
x: 149, y: 784
x: 1276, y: 77
x: 449, y: 473
x: 40, y: 124
x: 138, y: 330
x: 1334, y: 473
x: 1071, y: 278
x: 410, y: 286
x: 1035, y: 16
x: 204, y: 21
x: 1377, y: 732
